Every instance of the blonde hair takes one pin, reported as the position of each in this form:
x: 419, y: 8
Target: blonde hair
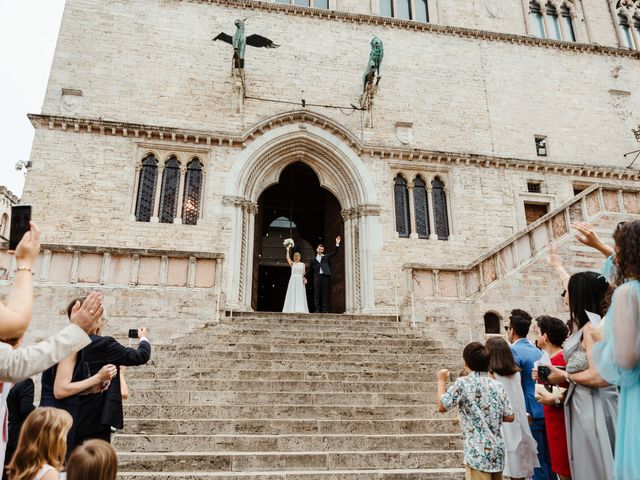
x: 95, y: 460
x: 43, y: 440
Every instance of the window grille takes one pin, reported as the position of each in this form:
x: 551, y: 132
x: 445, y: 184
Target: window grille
x: 192, y: 193
x: 401, y: 195
x: 146, y: 189
x: 169, y: 192
x: 421, y: 207
x: 440, y: 213
x: 534, y: 187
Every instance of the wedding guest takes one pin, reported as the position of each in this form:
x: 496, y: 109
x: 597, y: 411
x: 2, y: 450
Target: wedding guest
x: 520, y: 447
x: 617, y: 356
x: 550, y: 335
x: 98, y: 413
x: 483, y: 405
x: 42, y: 446
x: 526, y: 354
x: 95, y: 460
x: 19, y: 406
x: 19, y: 363
x: 590, y: 403
x: 63, y: 383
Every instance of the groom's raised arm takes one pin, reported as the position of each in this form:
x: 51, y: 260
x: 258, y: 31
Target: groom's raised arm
x: 329, y: 255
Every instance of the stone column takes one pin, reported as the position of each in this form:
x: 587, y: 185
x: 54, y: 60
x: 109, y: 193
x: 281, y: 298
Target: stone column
x: 348, y: 259
x: 412, y: 213
x: 178, y: 218
x: 155, y: 217
x: 432, y: 221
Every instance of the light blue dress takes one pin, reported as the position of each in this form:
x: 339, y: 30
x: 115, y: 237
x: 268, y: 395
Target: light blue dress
x: 617, y: 360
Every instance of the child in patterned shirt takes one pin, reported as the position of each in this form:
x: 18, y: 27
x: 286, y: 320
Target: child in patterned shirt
x: 483, y: 406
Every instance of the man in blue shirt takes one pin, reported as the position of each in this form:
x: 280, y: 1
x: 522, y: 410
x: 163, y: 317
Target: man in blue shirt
x: 526, y: 354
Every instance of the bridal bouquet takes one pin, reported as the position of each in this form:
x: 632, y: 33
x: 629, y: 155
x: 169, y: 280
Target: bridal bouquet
x: 288, y: 242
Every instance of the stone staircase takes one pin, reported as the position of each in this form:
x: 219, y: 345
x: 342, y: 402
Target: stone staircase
x: 282, y: 396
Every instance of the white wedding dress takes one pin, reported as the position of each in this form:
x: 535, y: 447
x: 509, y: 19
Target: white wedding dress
x: 296, y: 299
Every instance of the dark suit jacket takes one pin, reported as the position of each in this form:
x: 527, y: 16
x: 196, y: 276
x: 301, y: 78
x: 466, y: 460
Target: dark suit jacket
x: 19, y: 406
x: 314, y: 265
x: 105, y: 409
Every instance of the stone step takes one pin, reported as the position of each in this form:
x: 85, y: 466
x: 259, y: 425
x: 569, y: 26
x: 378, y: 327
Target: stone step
x: 320, y: 317
x: 378, y: 474
x: 289, y: 426
x: 266, y: 338
x: 206, y: 367
x: 142, y: 374
x: 286, y: 443
x: 286, y: 319
x: 296, y: 336
x: 296, y: 348
x: 391, y: 329
x: 195, y: 385
x: 314, y: 412
x: 265, y: 461
x: 191, y: 356
x: 206, y: 397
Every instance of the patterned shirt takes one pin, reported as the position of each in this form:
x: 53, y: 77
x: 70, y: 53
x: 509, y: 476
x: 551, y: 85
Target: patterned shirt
x: 483, y: 403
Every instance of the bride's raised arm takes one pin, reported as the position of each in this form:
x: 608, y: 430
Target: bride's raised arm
x: 289, y: 258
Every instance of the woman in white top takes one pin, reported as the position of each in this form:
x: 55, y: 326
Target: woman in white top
x: 296, y: 299
x: 521, y: 448
x: 42, y: 445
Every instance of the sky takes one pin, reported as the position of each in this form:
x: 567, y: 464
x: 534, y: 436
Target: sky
x: 28, y: 34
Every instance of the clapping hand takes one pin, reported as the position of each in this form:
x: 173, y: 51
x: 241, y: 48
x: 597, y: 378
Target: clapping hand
x: 86, y: 316
x: 443, y: 375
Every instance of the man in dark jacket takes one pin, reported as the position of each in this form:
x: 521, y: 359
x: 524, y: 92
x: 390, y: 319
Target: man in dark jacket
x: 101, y: 411
x: 19, y: 406
x: 320, y: 271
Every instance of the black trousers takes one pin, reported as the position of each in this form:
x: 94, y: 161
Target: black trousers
x: 321, y: 288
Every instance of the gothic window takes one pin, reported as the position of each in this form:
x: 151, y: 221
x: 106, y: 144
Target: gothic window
x: 416, y: 10
x: 421, y: 207
x: 629, y: 23
x: 192, y: 193
x: 146, y: 189
x: 440, y: 213
x: 404, y: 9
x: 422, y: 11
x: 553, y: 22
x: 537, y: 20
x: 627, y: 35
x: 386, y: 8
x: 169, y: 192
x: 401, y: 197
x: 567, y: 22
x: 307, y: 3
x: 302, y: 3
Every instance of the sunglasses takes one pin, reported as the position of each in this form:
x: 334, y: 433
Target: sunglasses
x: 507, y: 328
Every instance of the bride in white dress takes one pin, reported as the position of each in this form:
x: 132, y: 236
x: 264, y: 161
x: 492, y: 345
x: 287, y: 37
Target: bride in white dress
x: 296, y: 299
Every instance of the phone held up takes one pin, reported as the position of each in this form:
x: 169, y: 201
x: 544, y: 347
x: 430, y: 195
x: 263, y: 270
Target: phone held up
x: 133, y: 333
x: 20, y: 218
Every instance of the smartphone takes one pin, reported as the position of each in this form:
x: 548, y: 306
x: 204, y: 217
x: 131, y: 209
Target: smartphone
x: 20, y: 218
x: 133, y: 333
x: 543, y: 373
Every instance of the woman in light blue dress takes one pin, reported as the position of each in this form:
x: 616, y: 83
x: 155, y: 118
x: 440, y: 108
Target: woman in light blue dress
x: 617, y: 355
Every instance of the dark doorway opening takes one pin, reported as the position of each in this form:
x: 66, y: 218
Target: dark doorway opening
x: 298, y: 208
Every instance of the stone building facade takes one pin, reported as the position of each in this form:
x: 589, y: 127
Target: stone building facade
x: 7, y: 200
x: 167, y: 179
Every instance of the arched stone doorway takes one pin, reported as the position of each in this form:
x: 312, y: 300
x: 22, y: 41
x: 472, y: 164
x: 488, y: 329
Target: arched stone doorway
x: 328, y: 149
x: 296, y: 207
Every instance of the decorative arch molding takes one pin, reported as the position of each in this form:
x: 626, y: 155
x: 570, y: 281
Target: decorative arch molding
x: 339, y: 169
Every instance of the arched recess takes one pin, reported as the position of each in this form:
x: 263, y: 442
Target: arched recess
x: 339, y: 169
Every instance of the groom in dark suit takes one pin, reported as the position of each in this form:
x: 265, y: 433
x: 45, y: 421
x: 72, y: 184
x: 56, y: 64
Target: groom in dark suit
x: 320, y: 269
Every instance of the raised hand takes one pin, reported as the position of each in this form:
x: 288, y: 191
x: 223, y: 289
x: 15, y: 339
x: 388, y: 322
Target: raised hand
x: 586, y: 235
x: 86, y: 316
x: 554, y: 257
x: 338, y: 240
x: 443, y: 375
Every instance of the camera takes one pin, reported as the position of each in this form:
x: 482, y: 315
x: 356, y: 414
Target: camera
x: 133, y: 333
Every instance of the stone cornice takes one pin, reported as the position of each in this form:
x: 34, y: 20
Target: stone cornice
x: 428, y: 27
x: 226, y: 139
x: 9, y: 194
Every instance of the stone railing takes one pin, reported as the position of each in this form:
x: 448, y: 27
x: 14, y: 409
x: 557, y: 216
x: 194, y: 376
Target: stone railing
x: 120, y: 267
x: 469, y: 281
